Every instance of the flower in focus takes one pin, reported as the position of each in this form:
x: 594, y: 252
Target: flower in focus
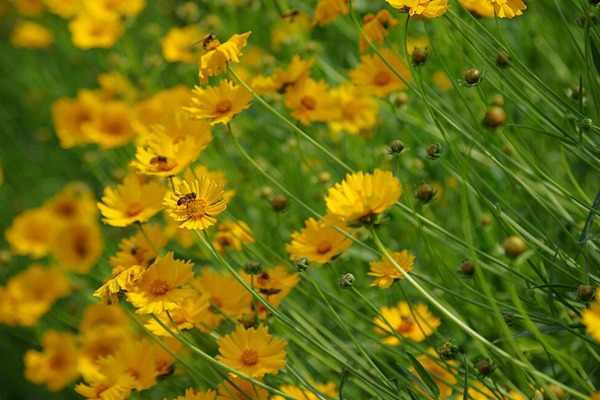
x: 56, y: 365
x: 479, y: 8
x: 31, y: 35
x: 319, y: 241
x: 440, y: 371
x: 273, y: 285
x: 197, y: 204
x: 376, y: 28
x: 375, y: 77
x: 508, y: 8
x: 232, y: 235
x: 357, y: 110
x: 218, y: 55
x: 327, y: 389
x: 188, y: 315
x: 425, y: 8
x: 327, y: 11
x: 590, y: 317
x: 252, y: 352
x: 310, y: 101
x: 219, y: 104
x: 131, y: 202
x: 89, y: 31
x: 158, y: 290
x: 412, y: 322
x: 240, y: 389
x: 177, y: 45
x: 362, y: 196
x: 386, y: 272
x: 31, y: 233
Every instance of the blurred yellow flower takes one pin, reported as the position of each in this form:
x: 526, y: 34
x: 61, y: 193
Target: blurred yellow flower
x: 109, y: 8
x: 274, y: 285
x: 375, y: 77
x: 160, y: 106
x: 218, y: 55
x: 590, y: 317
x: 178, y: 44
x: 413, y: 322
x: 189, y: 314
x: 311, y: 101
x: 252, y: 352
x: 69, y: 117
x: 296, y: 71
x: 219, y: 104
x: 357, y: 110
x: 65, y: 9
x: 75, y: 201
x: 319, y: 241
x: 31, y: 35
x: 110, y: 124
x: 328, y: 389
x: 29, y: 8
x: 116, y: 86
x: 480, y: 8
x: 56, y: 365
x: 440, y: 371
x: 376, y: 28
x: 231, y: 235
x: 131, y: 202
x: 31, y: 233
x: 386, y: 273
x: 77, y: 246
x: 136, y: 250
x: 425, y: 8
x: 90, y: 31
x: 361, y: 196
x: 191, y: 394
x: 327, y: 11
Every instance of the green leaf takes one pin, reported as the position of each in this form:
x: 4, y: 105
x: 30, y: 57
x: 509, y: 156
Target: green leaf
x: 425, y: 375
x: 595, y: 54
x: 466, y: 384
x: 416, y: 380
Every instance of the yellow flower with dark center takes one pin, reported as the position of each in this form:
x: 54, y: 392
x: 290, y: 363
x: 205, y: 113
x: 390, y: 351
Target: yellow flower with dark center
x: 177, y: 45
x: 159, y: 107
x: 425, y: 8
x: 69, y: 117
x: 319, y: 241
x: 509, y: 8
x: 441, y: 371
x: 480, y: 8
x: 159, y: 288
x: 232, y: 235
x: 375, y: 77
x: 110, y: 124
x: 219, y: 104
x: 413, y: 323
x: 327, y: 11
x: 136, y: 250
x: 357, y: 110
x: 77, y: 246
x: 196, y: 204
x: 32, y: 233
x: 90, y: 31
x: 131, y: 202
x: 360, y: 196
x: 191, y: 394
x: 296, y: 71
x: 590, y: 317
x: 386, y: 272
x: 189, y: 315
x: 328, y: 389
x: 376, y: 28
x: 218, y: 55
x: 252, y: 352
x: 31, y: 35
x: 311, y: 101
x: 273, y: 285
x: 75, y: 201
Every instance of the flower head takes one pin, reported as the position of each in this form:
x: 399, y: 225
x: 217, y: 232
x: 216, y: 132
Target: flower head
x: 177, y: 44
x: 440, y: 371
x: 131, y: 202
x: 376, y: 77
x: 414, y: 323
x: 310, y: 101
x: 357, y: 110
x: 219, y: 104
x: 425, y: 8
x: 319, y: 241
x: 31, y: 35
x: 90, y: 31
x: 238, y: 388
x: 217, y: 55
x: 32, y: 233
x: 252, y: 352
x: 508, y: 8
x: 361, y: 196
x: 590, y: 317
x: 376, y: 28
x: 386, y: 272
x: 232, y: 235
x: 327, y: 11
x: 296, y: 71
x: 197, y: 204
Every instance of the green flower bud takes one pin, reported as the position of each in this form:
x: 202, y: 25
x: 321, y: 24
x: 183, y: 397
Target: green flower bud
x: 448, y: 350
x: 346, y: 281
x: 434, y: 151
x: 585, y: 293
x: 472, y: 76
x: 253, y: 267
x: 301, y: 264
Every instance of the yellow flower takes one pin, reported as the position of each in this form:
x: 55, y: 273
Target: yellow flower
x: 69, y: 117
x: 136, y: 250
x: 74, y: 202
x: 240, y: 389
x: 215, y: 175
x: 595, y: 396
x: 131, y: 202
x: 590, y: 317
x: 361, y: 196
x: 220, y: 103
x: 439, y: 370
x: 252, y: 352
x: 158, y: 289
x: 298, y: 70
x: 232, y: 235
x: 99, y: 343
x: 319, y: 241
x: 89, y: 31
x: 177, y: 45
x: 310, y: 101
x: 65, y: 9
x: 508, y: 8
x: 481, y: 8
x: 414, y: 323
x: 376, y: 28
x: 32, y: 233
x: 156, y: 109
x: 112, y: 384
x: 375, y: 77
x: 386, y: 272
x: 56, y: 365
x: 273, y: 285
x: 31, y: 35
x: 196, y: 204
x: 191, y: 394
x: 29, y: 8
x: 110, y: 125
x: 218, y: 55
x: 327, y: 11
x: 357, y: 110
x: 109, y: 8
x: 188, y: 315
x: 114, y: 85
x: 100, y: 316
x: 78, y: 246
x: 328, y: 389
x: 425, y: 8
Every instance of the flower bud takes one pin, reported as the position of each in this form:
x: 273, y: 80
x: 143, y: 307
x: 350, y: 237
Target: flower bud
x: 585, y: 293
x: 324, y: 177
x: 266, y: 192
x: 557, y: 393
x: 253, y: 267
x: 577, y: 92
x: 247, y: 320
x: 396, y: 146
x: 279, y: 202
x: 447, y: 351
x: 472, y: 76
x: 301, y: 264
x: 5, y: 257
x: 485, y: 367
x: 467, y: 268
x: 425, y: 193
x: 401, y: 98
x: 494, y: 117
x: 514, y: 246
x: 586, y: 124
x: 434, y: 151
x: 498, y: 100
x: 503, y: 59
x: 507, y: 319
x: 346, y: 281
x: 419, y: 55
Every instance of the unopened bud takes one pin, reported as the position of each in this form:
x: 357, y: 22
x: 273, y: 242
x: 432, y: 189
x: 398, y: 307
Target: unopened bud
x: 484, y: 367
x: 472, y: 76
x: 425, y: 193
x: 503, y: 59
x: 585, y: 293
x: 419, y: 55
x: 253, y: 267
x: 396, y: 146
x: 494, y: 117
x: 586, y: 124
x: 447, y: 351
x: 301, y: 264
x: 247, y: 320
x: 279, y: 202
x: 467, y: 268
x: 434, y: 151
x: 514, y: 246
x: 346, y: 281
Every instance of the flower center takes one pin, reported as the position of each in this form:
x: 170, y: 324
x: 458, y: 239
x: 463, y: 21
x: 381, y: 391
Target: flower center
x: 309, y: 102
x: 323, y: 247
x: 249, y: 357
x: 159, y: 287
x: 224, y: 106
x: 382, y: 78
x: 80, y: 246
x: 406, y: 325
x: 133, y: 209
x: 196, y: 208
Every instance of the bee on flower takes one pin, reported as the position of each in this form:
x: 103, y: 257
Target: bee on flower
x: 218, y: 54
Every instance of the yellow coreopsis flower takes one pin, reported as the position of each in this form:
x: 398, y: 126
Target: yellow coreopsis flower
x: 89, y: 31
x: 386, y: 273
x: 508, y: 8
x: 238, y: 388
x: 131, y: 202
x: 414, y: 323
x: 375, y: 77
x: 376, y: 28
x: 197, y: 204
x: 440, y: 371
x: 110, y: 124
x: 328, y: 389
x: 159, y: 288
x: 296, y: 71
x: 219, y: 104
x: 191, y: 394
x: 31, y: 35
x: 177, y: 45
x: 319, y: 241
x: 140, y: 248
x: 327, y: 11
x: 74, y: 202
x: 360, y: 196
x: 218, y: 55
x: 65, y: 9
x: 273, y: 285
x: 188, y: 315
x: 357, y: 110
x: 69, y: 117
x: 107, y: 8
x: 425, y: 8
x: 478, y: 7
x: 32, y: 233
x: 77, y: 246
x: 590, y: 317
x: 252, y: 352
x: 311, y: 101
x: 232, y: 235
